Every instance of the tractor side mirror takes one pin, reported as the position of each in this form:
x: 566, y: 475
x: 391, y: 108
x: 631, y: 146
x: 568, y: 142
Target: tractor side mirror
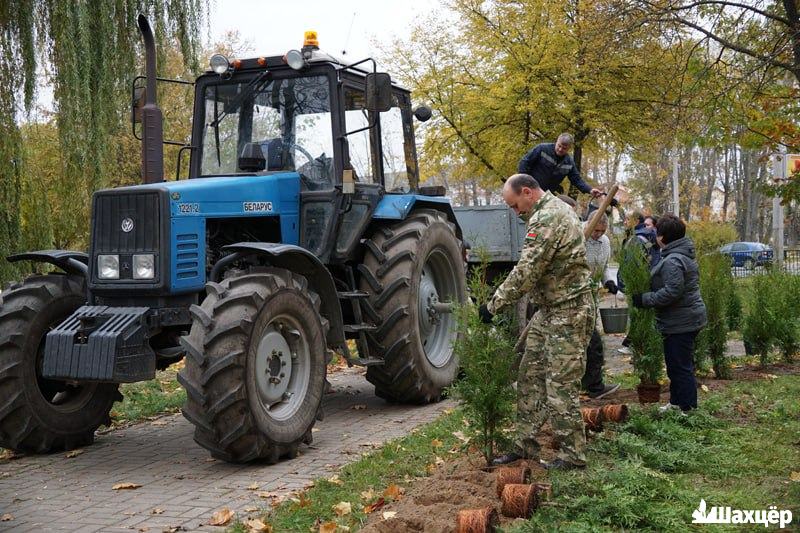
x: 423, y: 113
x: 378, y: 92
x: 137, y: 103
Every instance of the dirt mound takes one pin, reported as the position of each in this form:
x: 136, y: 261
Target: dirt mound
x: 432, y: 503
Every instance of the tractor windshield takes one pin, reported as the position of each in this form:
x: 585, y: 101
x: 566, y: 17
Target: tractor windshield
x: 288, y: 119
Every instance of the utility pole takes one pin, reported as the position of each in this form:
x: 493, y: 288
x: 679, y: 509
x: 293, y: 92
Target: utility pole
x: 676, y: 205
x: 779, y: 164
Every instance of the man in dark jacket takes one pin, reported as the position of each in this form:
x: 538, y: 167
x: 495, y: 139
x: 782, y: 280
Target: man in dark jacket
x: 549, y: 163
x: 680, y: 311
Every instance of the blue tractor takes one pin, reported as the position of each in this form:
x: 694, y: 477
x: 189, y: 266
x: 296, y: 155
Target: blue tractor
x: 301, y: 226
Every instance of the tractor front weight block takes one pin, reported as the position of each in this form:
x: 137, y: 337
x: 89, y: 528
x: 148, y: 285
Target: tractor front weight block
x: 101, y: 343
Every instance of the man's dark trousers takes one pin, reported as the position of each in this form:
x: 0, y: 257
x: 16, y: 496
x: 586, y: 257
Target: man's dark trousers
x: 678, y: 355
x: 592, y: 380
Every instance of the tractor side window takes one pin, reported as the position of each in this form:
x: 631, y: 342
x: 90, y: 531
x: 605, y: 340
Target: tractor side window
x: 397, y: 145
x: 360, y: 143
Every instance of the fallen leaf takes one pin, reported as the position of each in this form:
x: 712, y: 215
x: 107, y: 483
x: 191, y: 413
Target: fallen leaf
x: 303, y: 500
x: 253, y: 486
x: 342, y: 508
x: 158, y: 423
x: 328, y: 527
x: 389, y: 514
x: 371, y: 508
x: 771, y: 376
x: 157, y: 511
x: 335, y: 480
x: 125, y: 486
x: 221, y: 517
x: 266, y: 495
x: 359, y: 407
x: 704, y: 388
x: 368, y: 494
x: 436, y: 443
x: 257, y: 526
x: 393, y: 492
x: 794, y: 476
x: 250, y: 509
x: 460, y: 436
x: 8, y: 517
x: 73, y: 453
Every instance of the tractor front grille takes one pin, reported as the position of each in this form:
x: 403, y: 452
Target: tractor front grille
x: 126, y: 222
x: 114, y: 213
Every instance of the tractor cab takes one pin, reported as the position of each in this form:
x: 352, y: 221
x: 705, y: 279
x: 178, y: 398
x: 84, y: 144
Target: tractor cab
x: 345, y: 130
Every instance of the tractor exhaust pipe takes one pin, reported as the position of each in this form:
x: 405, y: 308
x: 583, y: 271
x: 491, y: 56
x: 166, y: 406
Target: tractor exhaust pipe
x: 152, y: 121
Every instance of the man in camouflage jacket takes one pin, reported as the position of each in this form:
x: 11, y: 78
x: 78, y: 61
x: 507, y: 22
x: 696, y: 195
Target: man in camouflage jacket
x: 552, y: 269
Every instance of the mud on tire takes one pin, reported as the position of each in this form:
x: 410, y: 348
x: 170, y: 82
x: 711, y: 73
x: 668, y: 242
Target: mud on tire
x: 257, y: 337
x: 36, y: 414
x: 407, y: 267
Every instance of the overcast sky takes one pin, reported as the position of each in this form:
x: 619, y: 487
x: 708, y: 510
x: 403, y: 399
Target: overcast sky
x: 357, y: 26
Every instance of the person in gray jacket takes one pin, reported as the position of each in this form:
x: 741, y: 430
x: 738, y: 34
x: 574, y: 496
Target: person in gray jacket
x: 680, y: 311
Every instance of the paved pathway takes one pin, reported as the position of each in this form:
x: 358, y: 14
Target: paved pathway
x: 177, y: 477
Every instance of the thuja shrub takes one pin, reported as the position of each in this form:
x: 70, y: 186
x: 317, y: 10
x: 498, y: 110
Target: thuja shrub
x: 716, y: 285
x: 733, y: 311
x: 786, y: 301
x: 645, y: 341
x: 487, y: 357
x: 758, y: 331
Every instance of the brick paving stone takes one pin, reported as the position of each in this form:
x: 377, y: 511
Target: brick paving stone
x: 54, y: 493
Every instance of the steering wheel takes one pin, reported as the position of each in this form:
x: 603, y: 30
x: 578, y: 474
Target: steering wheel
x: 301, y: 150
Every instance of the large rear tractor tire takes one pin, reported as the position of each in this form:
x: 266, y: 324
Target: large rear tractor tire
x: 41, y: 415
x: 255, y: 366
x: 407, y: 269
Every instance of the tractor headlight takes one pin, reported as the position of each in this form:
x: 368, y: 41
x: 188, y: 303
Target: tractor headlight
x: 108, y: 266
x: 219, y: 64
x: 295, y: 59
x: 144, y: 266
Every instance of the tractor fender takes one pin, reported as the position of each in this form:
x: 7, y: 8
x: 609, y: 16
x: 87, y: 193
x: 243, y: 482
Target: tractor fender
x: 400, y: 206
x: 68, y: 261
x: 301, y: 261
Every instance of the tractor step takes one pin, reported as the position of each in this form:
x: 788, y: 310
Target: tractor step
x: 359, y: 328
x: 349, y: 295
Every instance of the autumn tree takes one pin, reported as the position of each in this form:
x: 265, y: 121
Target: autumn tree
x: 503, y: 76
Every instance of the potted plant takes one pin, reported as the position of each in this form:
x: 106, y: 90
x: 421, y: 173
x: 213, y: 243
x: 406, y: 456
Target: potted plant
x: 645, y: 341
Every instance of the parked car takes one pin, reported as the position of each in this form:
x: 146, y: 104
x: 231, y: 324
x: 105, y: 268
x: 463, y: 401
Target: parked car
x: 748, y: 254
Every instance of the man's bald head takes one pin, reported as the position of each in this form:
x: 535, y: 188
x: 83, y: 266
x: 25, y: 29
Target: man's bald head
x: 521, y: 192
x: 518, y: 181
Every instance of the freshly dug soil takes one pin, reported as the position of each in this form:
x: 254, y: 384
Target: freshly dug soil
x: 431, y: 504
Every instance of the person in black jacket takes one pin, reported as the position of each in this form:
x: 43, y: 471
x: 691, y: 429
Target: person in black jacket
x: 550, y: 163
x: 680, y: 311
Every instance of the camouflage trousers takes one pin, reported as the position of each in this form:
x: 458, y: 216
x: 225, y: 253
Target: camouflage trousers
x: 549, y: 378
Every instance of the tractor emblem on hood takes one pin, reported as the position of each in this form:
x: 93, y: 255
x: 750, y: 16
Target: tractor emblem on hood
x: 127, y: 224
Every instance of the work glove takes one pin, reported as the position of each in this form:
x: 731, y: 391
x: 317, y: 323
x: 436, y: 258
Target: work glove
x: 485, y: 314
x: 637, y: 300
x: 611, y: 286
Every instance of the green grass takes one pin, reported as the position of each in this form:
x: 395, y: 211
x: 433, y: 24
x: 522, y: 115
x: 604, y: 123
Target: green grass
x: 737, y: 450
x: 397, y: 462
x: 648, y: 474
x: 149, y: 398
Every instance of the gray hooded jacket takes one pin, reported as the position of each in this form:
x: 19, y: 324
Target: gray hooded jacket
x: 675, y: 285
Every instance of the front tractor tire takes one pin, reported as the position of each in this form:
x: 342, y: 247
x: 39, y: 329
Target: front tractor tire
x: 408, y: 268
x: 255, y: 366
x: 40, y: 415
